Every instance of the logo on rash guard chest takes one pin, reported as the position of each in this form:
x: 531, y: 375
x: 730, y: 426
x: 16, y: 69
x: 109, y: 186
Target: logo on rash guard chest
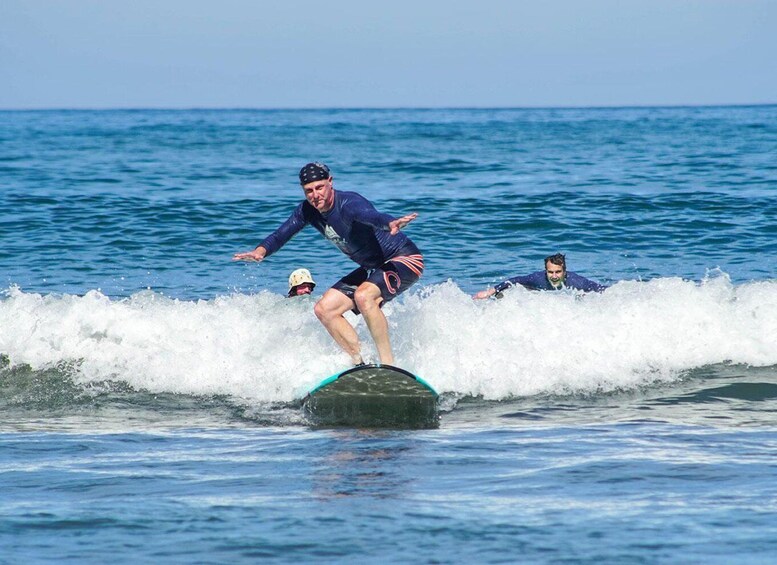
x: 334, y: 237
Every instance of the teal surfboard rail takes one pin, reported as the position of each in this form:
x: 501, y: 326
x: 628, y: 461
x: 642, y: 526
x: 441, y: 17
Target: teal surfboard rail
x: 325, y: 382
x: 336, y: 376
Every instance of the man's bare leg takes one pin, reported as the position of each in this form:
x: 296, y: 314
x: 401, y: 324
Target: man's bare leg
x: 329, y: 310
x: 368, y: 299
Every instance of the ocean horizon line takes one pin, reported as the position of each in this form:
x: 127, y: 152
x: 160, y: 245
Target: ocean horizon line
x: 374, y: 108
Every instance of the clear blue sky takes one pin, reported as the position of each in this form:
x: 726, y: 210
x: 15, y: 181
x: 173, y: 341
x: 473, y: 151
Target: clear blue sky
x: 357, y: 53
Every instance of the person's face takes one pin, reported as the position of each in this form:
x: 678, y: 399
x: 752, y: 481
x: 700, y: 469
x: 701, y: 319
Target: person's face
x: 301, y: 289
x: 320, y: 194
x: 555, y: 273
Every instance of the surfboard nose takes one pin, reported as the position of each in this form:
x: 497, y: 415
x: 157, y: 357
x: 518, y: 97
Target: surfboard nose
x: 373, y: 396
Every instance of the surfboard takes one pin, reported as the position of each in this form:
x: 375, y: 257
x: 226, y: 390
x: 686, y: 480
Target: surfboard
x: 373, y: 396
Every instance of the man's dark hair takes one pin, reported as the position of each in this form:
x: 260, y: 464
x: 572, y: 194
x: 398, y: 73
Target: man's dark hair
x: 557, y: 259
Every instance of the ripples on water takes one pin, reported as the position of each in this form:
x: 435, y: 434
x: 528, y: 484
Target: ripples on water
x: 133, y: 199
x: 150, y: 409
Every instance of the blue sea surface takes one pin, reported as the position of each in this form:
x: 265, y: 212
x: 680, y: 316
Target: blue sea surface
x: 150, y: 387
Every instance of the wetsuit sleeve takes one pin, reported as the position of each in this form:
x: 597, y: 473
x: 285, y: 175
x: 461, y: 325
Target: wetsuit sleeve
x: 285, y: 232
x: 581, y: 283
x: 527, y: 281
x: 359, y: 209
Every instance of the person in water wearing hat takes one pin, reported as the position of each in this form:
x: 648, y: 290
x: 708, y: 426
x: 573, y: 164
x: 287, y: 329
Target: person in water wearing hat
x: 301, y: 283
x: 554, y: 277
x: 389, y: 262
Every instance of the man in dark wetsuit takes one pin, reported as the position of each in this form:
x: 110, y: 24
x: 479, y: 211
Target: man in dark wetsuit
x: 389, y: 263
x: 554, y: 277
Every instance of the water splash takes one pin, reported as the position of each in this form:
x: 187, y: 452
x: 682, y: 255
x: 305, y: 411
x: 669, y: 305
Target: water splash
x: 267, y: 348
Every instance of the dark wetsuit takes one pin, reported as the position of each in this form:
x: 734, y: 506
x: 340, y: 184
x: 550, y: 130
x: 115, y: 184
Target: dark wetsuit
x: 392, y: 262
x: 539, y: 281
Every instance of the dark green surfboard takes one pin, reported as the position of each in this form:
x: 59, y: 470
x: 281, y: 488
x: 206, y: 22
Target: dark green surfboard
x: 373, y: 396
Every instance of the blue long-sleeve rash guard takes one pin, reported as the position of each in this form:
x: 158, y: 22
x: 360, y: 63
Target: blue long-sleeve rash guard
x: 353, y: 225
x: 539, y: 281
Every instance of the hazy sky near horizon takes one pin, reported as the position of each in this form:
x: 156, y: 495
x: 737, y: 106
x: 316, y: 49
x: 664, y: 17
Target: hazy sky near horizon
x: 422, y: 53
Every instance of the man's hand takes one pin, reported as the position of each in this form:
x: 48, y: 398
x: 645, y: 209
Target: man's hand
x: 399, y: 223
x: 484, y: 294
x: 255, y: 255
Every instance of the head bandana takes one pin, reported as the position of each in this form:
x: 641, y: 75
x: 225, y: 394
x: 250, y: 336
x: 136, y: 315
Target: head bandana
x: 313, y: 172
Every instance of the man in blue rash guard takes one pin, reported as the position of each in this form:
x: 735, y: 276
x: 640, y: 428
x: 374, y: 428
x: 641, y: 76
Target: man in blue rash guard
x: 554, y: 277
x: 389, y: 262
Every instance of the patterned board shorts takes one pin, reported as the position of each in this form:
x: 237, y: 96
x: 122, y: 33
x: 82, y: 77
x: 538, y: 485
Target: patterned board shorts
x: 393, y: 278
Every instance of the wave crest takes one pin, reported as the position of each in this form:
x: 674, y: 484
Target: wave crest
x: 268, y: 348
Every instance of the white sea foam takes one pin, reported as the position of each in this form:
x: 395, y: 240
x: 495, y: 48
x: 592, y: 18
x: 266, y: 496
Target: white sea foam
x: 269, y: 348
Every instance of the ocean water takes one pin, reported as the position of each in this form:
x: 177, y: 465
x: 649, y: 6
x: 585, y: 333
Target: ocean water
x: 150, y: 387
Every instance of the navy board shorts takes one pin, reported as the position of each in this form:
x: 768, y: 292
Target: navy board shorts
x: 393, y: 277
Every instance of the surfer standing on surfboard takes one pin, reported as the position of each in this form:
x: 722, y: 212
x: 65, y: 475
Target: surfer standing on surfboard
x: 389, y: 262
